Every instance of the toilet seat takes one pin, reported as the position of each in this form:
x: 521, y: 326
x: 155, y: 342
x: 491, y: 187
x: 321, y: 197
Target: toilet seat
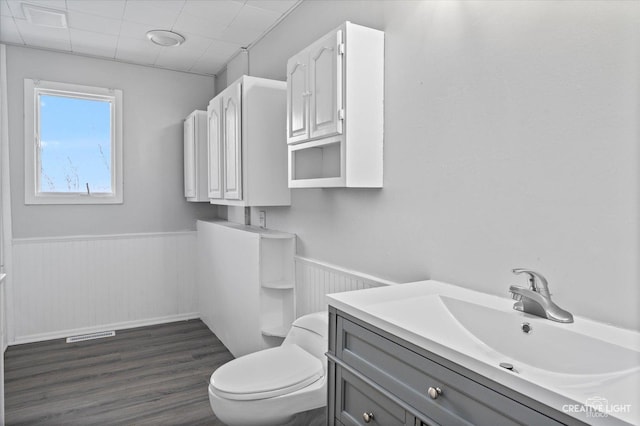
x: 266, y: 374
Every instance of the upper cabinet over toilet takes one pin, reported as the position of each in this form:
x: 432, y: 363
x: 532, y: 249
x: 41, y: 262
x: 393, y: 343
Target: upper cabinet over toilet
x: 335, y: 112
x: 247, y: 154
x: 195, y: 156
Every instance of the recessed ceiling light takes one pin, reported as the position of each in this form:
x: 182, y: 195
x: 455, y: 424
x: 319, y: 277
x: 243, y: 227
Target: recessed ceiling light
x: 45, y: 17
x: 165, y: 38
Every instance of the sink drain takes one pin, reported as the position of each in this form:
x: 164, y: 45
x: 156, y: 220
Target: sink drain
x: 526, y: 327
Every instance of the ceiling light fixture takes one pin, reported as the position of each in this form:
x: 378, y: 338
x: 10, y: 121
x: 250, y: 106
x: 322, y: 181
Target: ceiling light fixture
x: 165, y: 38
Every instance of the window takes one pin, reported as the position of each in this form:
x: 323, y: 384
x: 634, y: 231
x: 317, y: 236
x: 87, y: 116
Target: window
x: 73, y: 144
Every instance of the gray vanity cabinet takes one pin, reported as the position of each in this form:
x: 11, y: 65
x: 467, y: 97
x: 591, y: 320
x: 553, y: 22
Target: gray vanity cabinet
x: 378, y: 379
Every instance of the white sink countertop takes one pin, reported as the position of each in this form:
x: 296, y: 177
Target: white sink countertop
x: 569, y: 367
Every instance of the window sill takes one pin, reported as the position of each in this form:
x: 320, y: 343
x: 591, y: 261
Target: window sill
x: 72, y: 199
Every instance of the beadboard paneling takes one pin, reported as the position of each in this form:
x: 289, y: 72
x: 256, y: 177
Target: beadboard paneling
x: 64, y: 286
x: 316, y: 279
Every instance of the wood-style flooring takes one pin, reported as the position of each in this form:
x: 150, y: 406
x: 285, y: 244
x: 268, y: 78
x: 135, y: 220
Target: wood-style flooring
x: 155, y: 375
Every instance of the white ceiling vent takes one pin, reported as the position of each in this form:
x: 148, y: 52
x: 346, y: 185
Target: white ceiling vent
x: 45, y: 17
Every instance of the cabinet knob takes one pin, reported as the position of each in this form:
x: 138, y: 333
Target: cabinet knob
x: 434, y: 393
x: 367, y: 417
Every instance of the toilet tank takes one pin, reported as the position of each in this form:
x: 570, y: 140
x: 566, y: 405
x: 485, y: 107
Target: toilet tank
x: 310, y: 332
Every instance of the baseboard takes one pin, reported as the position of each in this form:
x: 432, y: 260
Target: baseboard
x: 106, y: 327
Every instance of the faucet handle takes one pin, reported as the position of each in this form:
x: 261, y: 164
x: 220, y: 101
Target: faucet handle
x: 542, y: 287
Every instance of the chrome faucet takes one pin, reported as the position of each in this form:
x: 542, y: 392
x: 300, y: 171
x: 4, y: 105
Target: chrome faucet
x: 536, y: 300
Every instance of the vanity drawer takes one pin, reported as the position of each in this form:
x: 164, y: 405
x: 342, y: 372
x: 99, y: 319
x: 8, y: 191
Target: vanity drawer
x: 354, y: 398
x: 409, y: 375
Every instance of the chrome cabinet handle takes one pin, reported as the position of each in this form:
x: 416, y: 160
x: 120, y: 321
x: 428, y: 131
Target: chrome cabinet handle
x: 367, y: 417
x: 434, y: 393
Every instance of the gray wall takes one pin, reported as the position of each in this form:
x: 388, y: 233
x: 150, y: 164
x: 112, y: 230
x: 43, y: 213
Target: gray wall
x: 155, y: 103
x: 511, y: 140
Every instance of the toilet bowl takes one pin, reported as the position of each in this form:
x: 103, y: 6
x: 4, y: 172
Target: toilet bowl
x: 270, y: 386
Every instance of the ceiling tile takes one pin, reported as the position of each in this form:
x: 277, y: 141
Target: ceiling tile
x: 256, y: 18
x: 106, y: 8
x: 200, y: 25
x: 161, y: 14
x: 280, y: 6
x: 215, y: 57
x: 15, y: 8
x: 136, y: 50
x: 45, y: 37
x: 91, y: 43
x: 249, y: 25
x: 93, y: 23
x: 221, y: 49
x: 219, y: 12
x: 136, y: 30
x: 185, y: 55
x: 244, y: 36
x: 4, y: 9
x: 193, y: 45
x: 9, y: 31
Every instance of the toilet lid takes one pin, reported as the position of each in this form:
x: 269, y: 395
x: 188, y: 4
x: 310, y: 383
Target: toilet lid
x: 266, y: 374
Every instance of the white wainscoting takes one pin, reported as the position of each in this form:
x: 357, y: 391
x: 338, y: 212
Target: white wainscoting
x: 315, y: 279
x: 75, y: 285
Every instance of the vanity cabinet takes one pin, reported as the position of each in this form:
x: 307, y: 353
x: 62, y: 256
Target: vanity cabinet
x: 195, y: 157
x: 335, y: 90
x: 378, y: 377
x: 247, y: 159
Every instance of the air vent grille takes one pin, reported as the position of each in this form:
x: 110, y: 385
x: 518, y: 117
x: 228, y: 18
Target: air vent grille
x: 90, y: 336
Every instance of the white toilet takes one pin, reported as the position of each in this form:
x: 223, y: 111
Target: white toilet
x: 270, y: 386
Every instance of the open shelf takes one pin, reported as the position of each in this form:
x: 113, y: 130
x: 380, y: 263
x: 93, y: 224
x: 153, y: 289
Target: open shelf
x: 278, y: 285
x: 316, y: 164
x: 277, y: 282
x: 275, y: 331
x: 276, y: 311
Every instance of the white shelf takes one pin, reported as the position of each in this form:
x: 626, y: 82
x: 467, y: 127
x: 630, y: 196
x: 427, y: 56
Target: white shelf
x: 278, y: 285
x: 275, y: 331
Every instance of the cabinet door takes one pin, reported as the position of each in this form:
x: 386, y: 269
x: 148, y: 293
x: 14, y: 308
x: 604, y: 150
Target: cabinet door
x: 325, y: 63
x: 298, y: 98
x: 232, y: 142
x: 189, y: 157
x: 214, y: 127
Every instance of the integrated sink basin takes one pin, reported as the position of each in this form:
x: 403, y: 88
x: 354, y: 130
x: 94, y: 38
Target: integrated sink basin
x: 545, y: 345
x: 562, y: 365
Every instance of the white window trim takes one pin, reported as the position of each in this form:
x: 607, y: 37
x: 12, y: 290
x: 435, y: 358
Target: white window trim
x: 31, y: 193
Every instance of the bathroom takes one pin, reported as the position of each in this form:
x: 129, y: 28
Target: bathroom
x: 510, y: 140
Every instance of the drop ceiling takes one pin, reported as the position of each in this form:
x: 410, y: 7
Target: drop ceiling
x: 215, y: 30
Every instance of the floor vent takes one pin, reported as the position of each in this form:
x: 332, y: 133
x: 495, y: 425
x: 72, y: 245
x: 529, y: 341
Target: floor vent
x: 90, y: 336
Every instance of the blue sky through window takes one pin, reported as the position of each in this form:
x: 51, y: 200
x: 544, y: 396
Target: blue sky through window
x: 75, y: 144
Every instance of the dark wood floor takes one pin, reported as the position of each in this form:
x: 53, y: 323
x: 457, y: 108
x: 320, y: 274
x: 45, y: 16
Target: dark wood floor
x: 155, y: 375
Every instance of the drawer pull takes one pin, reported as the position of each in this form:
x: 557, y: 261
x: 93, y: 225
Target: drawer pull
x: 434, y: 393
x: 367, y: 417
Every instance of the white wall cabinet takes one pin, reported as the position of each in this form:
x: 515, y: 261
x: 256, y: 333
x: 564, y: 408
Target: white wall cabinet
x: 335, y: 111
x: 195, y: 157
x: 247, y: 159
x: 245, y: 284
